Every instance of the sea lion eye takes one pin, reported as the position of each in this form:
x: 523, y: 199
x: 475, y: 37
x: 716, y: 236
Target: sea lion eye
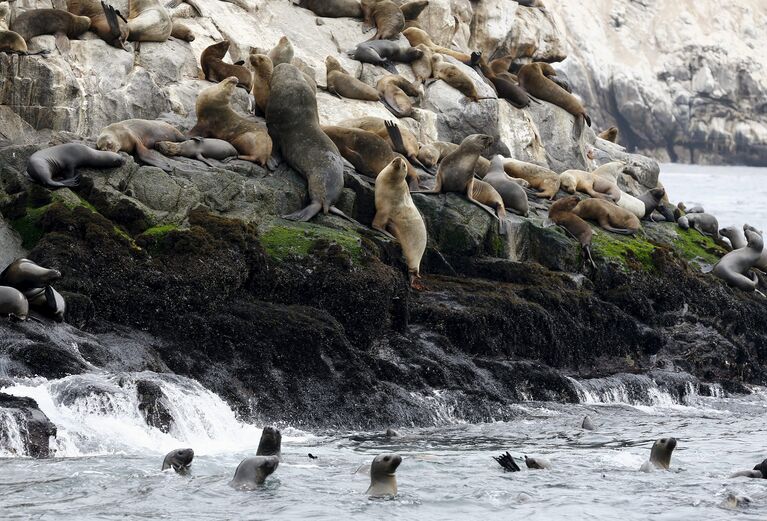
x: 386, y: 458
x: 663, y: 440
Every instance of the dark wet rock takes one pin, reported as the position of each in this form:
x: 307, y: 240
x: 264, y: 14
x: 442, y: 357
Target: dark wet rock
x: 28, y: 421
x: 153, y: 405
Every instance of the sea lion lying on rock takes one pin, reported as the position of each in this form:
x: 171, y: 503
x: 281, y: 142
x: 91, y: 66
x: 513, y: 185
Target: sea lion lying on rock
x: 544, y: 180
x: 56, y: 166
x: 139, y: 136
x: 62, y: 24
x: 561, y: 213
x: 333, y: 8
x: 199, y: 148
x: 588, y: 183
x: 608, y: 215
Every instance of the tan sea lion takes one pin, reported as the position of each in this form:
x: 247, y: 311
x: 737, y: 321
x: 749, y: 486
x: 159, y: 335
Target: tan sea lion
x: 216, y: 69
x: 484, y: 193
x: 660, y: 455
x: 396, y: 212
x: 734, y: 267
x: 544, y: 180
x: 333, y: 8
x: 454, y: 77
x: 282, y: 52
x: 535, y: 79
x: 395, y: 92
x: 12, y: 42
x: 148, y: 21
x: 588, y: 183
x: 418, y: 36
x: 104, y: 19
x: 182, y: 32
x: 13, y: 303
x: 409, y: 147
x: 608, y: 215
x: 383, y: 481
x: 217, y: 119
x: 513, y: 195
x: 139, y: 136
x: 385, y: 16
x: 611, y: 134
x: 422, y: 66
x: 262, y: 75
x: 561, y: 213
x: 62, y: 24
x: 428, y: 155
x: 199, y: 148
x: 343, y: 84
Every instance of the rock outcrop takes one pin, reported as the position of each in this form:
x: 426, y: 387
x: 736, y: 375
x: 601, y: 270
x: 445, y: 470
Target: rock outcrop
x: 24, y: 429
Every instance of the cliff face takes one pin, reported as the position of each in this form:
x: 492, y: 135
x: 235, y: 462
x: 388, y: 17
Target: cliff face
x: 683, y: 80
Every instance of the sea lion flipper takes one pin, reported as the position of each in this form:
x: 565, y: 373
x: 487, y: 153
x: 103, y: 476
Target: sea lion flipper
x: 50, y: 298
x: 62, y: 43
x: 392, y: 108
x: 507, y: 462
x: 396, y: 137
x: 621, y: 231
x: 241, y: 62
x: 201, y: 158
x: 336, y: 211
x: 305, y: 214
x: 152, y: 157
x: 389, y: 66
x: 172, y: 4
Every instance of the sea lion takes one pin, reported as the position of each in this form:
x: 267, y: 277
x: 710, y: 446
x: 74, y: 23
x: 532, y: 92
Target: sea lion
x: 422, y: 66
x: 395, y: 92
x: 454, y: 77
x: 396, y: 212
x: 588, y: 183
x: 652, y: 200
x: 148, y: 21
x: 293, y: 122
x: 262, y: 75
x: 182, y: 32
x: 139, y: 136
x: 217, y: 119
x: 507, y: 462
x: 198, y: 148
x: 62, y: 24
x: 587, y: 424
x: 514, y: 196
x: 62, y: 161
x: 759, y: 472
x: 503, y: 87
x: 612, y: 170
x: 608, y: 215
x: 252, y: 472
x: 733, y: 267
x: 383, y: 53
x: 611, y: 134
x: 385, y: 16
x: 738, y: 240
x: 48, y: 302
x: 485, y: 194
x: 412, y: 10
x: 706, y: 224
x: 544, y: 180
x: 179, y: 460
x: 104, y: 20
x: 343, y: 84
x: 216, y: 69
x: 535, y: 79
x: 333, y: 8
x: 561, y: 213
x: 383, y: 481
x: 13, y: 303
x: 428, y: 155
x: 530, y: 3
x: 408, y: 147
x: 660, y: 455
x: 282, y: 52
x: 270, y: 443
x: 502, y: 64
x: 24, y: 275
x: 537, y: 463
x: 11, y: 42
x: 630, y: 203
x: 418, y: 36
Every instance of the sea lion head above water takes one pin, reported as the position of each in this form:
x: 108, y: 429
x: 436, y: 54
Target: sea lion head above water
x: 270, y: 443
x: 179, y: 460
x: 660, y: 455
x: 383, y: 480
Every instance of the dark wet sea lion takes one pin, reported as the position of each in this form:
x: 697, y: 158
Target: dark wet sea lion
x: 608, y: 215
x: 62, y: 24
x: 216, y: 69
x: 514, y: 196
x: 652, y: 199
x: 199, y: 148
x: 704, y: 223
x: 13, y: 303
x: 383, y: 52
x: 148, y: 21
x: 660, y: 455
x: 270, y: 443
x: 385, y: 16
x: 252, y: 472
x: 333, y: 8
x: 505, y: 89
x: 507, y: 462
x: 587, y: 424
x: 293, y: 122
x: 24, y: 274
x: 383, y: 480
x: 561, y: 213
x: 100, y: 14
x: 139, y: 136
x: 48, y: 302
x: 179, y: 460
x: 340, y: 82
x: 759, y: 472
x: 62, y: 161
x: 734, y: 266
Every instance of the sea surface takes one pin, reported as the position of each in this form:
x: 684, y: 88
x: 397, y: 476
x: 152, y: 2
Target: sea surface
x: 107, y: 462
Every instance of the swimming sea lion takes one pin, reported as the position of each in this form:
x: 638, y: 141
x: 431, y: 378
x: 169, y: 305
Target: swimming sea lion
x: 385, y: 16
x: 383, y: 53
x: 182, y: 32
x: 62, y: 161
x: 734, y: 266
x: 148, y: 21
x: 252, y: 472
x: 262, y: 75
x: 62, y: 24
x: 217, y: 119
x: 139, y: 136
x: 270, y: 443
x: 383, y: 481
x: 537, y: 463
x: 102, y: 24
x: 395, y: 92
x: 454, y: 77
x: 282, y: 52
x: 333, y: 8
x: 507, y: 462
x: 13, y: 303
x: 216, y: 69
x: 738, y: 240
x: 608, y: 215
x: 198, y: 148
x: 48, y: 302
x: 587, y: 424
x: 24, y: 275
x: 514, y: 196
x: 396, y: 212
x: 588, y: 183
x: 652, y: 199
x: 535, y: 78
x: 179, y: 460
x: 544, y: 180
x: 293, y: 122
x: 561, y: 213
x: 418, y: 36
x: 660, y: 455
x: 340, y: 82
x: 759, y: 472
x: 611, y: 134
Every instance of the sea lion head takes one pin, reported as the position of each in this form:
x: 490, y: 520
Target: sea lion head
x: 385, y: 465
x: 754, y: 238
x: 5, y: 10
x: 657, y: 193
x: 218, y: 49
x: 262, y: 64
x: 168, y: 148
x: 179, y: 459
x: 729, y: 231
x: 661, y: 451
x: 566, y: 204
x: 270, y: 443
x: 109, y: 142
x: 415, y: 36
x: 478, y: 141
x: 331, y: 64
x: 226, y: 88
x: 396, y: 171
x: 568, y: 182
x: 683, y: 222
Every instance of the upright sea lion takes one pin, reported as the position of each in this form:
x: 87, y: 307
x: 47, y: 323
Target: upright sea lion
x: 139, y: 136
x: 395, y: 92
x: 333, y: 8
x: 179, y: 460
x: 418, y: 36
x: 262, y: 75
x: 102, y: 23
x: 216, y: 69
x: 535, y: 79
x: 48, y: 302
x: 252, y: 472
x: 148, y: 21
x: 198, y: 148
x: 588, y: 183
x: 385, y: 16
x: 383, y: 481
x: 660, y: 455
x: 652, y: 200
x: 182, y: 32
x: 383, y: 53
x: 282, y: 52
x: 537, y: 463
x: 561, y: 213
x: 454, y: 77
x: 270, y: 443
x: 216, y: 118
x: 396, y: 212
x: 24, y: 275
x: 737, y: 239
x: 611, y: 134
x: 62, y: 24
x: 514, y: 196
x: 340, y: 82
x: 734, y: 266
x: 544, y: 180
x: 62, y: 162
x: 608, y: 215
x: 13, y: 303
x: 293, y: 122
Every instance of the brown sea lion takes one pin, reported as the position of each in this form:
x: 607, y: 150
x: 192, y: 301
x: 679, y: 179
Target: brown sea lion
x: 486, y: 194
x: 561, y: 213
x: 513, y: 195
x: 148, y: 21
x: 409, y: 147
x: 62, y: 162
x: 62, y: 24
x: 544, y: 180
x: 395, y: 92
x: 422, y: 66
x: 652, y: 199
x: 216, y: 69
x: 217, y: 119
x: 412, y: 10
x: 11, y: 42
x: 385, y: 16
x: 199, y: 148
x: 47, y: 302
x: 333, y: 8
x: 535, y: 79
x: 428, y: 155
x: 182, y: 32
x: 293, y: 122
x: 13, y: 303
x: 396, y: 212
x: 282, y: 52
x: 503, y: 87
x: 383, y: 53
x: 418, y: 36
x: 608, y: 215
x: 262, y: 75
x: 611, y: 134
x: 588, y: 183
x: 103, y: 19
x: 502, y: 64
x: 454, y: 77
x: 343, y: 84
x: 139, y: 136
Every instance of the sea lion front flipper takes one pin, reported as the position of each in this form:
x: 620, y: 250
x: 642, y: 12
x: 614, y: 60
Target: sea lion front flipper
x: 200, y: 157
x: 151, y: 157
x: 62, y: 43
x: 240, y: 62
x: 396, y: 137
x: 70, y: 182
x: 114, y: 24
x: 272, y: 163
x: 389, y: 66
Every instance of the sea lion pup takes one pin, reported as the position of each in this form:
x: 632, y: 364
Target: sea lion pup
x: 148, y: 21
x: 216, y: 69
x: 704, y: 223
x: 542, y: 179
x: 396, y: 213
x: 179, y: 460
x: 611, y: 134
x: 252, y: 472
x: 62, y: 161
x: 608, y: 215
x: 139, y: 136
x: 738, y: 240
x: 535, y: 79
x: 383, y: 481
x: 293, y: 122
x: 343, y: 84
x: 182, y: 32
x: 507, y: 462
x: 537, y: 463
x: 733, y: 267
x: 217, y: 119
x: 198, y: 148
x: 385, y: 16
x: 759, y: 472
x: 652, y: 199
x: 383, y: 53
x: 270, y: 443
x: 282, y: 52
x: 660, y: 455
x: 333, y: 8
x: 514, y: 196
x: 13, y: 303
x: 588, y: 183
x: 454, y: 77
x: 62, y: 24
x: 102, y: 23
x: 395, y: 92
x: 587, y: 424
x: 561, y: 213
x: 24, y: 275
x: 48, y: 302
x: 418, y: 36
x: 262, y: 75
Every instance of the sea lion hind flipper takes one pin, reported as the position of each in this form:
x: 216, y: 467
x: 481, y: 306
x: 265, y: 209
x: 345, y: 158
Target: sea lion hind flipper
x: 203, y: 159
x: 621, y: 231
x: 62, y: 43
x: 111, y: 16
x: 69, y: 182
x: 152, y: 157
x: 305, y: 214
x: 507, y: 462
x: 50, y: 298
x: 338, y: 212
